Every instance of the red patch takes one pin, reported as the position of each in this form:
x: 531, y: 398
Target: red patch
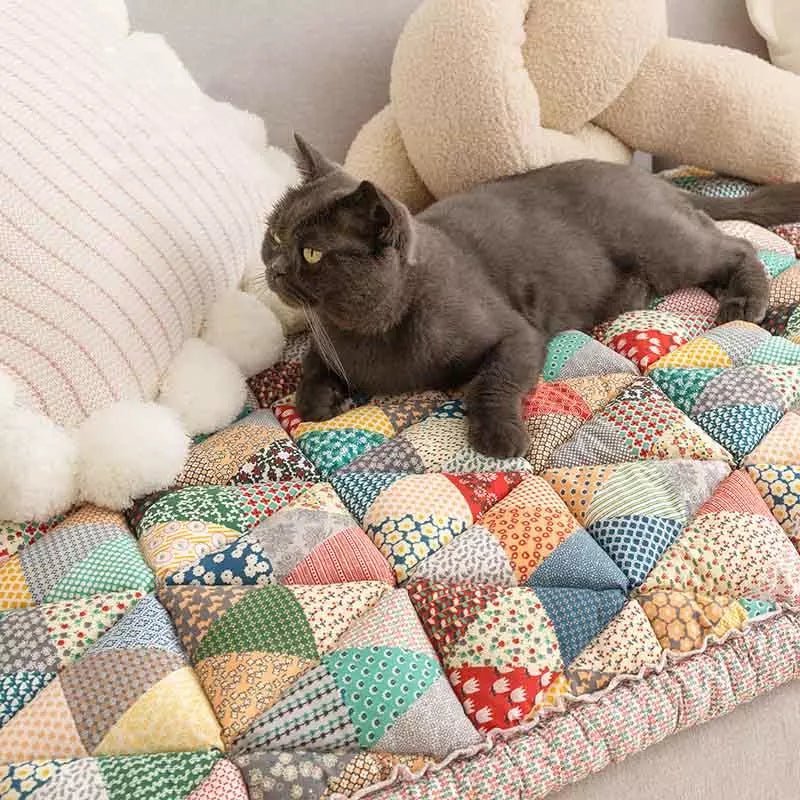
x: 555, y: 398
x: 498, y: 697
x: 483, y: 489
x: 646, y: 347
x: 736, y: 493
x: 287, y: 416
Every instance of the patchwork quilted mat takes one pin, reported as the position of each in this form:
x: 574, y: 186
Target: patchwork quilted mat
x: 367, y: 606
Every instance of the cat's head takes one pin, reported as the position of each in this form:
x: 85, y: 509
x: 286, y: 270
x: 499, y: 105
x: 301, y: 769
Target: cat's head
x: 339, y: 247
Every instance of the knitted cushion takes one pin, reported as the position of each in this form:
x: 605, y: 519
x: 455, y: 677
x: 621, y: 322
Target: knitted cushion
x: 130, y: 200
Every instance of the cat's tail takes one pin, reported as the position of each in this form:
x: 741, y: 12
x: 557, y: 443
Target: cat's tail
x: 768, y: 205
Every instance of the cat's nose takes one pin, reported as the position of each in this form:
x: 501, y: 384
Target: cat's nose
x: 277, y: 267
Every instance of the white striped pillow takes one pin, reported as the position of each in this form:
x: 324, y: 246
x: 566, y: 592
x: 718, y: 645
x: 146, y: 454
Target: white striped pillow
x: 128, y: 201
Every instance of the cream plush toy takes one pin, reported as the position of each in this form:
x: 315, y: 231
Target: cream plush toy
x: 778, y: 21
x: 485, y: 88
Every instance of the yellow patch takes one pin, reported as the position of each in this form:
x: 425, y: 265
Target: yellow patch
x: 153, y: 723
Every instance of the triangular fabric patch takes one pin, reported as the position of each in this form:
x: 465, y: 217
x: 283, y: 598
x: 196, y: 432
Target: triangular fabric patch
x: 391, y: 622
x: 700, y: 353
x: 359, y: 490
x: 635, y: 542
x: 348, y: 555
x: 395, y: 455
x: 579, y: 615
x: 147, y: 626
x: 495, y: 697
x: 577, y: 486
x: 513, y: 630
x: 529, y: 524
x: 330, y: 610
x: 547, y: 433
x: 482, y: 491
x: 75, y: 625
x: 578, y: 562
x: 474, y: 557
x: 555, y: 398
x: 160, y: 776
x: 736, y: 493
x: 42, y: 729
x: 241, y: 686
x: 194, y: 609
x: 14, y: 589
x: 739, y: 428
x: 114, y: 566
x: 378, y: 684
x: 268, y: 619
x: 149, y: 724
x: 447, y: 609
x: 435, y: 724
x: 560, y: 350
x: 17, y: 689
x: 331, y: 450
x: 683, y: 386
x: 102, y: 686
x: 311, y: 715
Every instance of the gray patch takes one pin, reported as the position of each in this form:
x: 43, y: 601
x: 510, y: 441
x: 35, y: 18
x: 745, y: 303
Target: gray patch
x: 475, y: 556
x: 49, y: 559
x: 291, y: 534
x: 435, y: 725
x: 747, y: 386
x: 695, y: 481
x: 25, y: 644
x: 597, y: 442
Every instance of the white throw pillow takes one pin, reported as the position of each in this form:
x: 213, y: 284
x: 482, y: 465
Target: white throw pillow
x: 130, y: 202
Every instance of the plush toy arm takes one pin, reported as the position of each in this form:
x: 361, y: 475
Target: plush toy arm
x: 714, y: 107
x: 378, y: 154
x: 464, y: 101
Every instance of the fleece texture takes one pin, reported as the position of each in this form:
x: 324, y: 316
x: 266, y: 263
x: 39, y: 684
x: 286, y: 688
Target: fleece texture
x: 378, y: 154
x: 722, y: 108
x: 464, y: 101
x: 486, y: 88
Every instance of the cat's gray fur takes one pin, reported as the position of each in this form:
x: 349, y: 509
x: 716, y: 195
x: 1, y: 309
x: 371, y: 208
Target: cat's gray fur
x: 470, y: 290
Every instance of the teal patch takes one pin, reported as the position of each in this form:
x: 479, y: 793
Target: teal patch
x: 330, y: 450
x: 379, y: 684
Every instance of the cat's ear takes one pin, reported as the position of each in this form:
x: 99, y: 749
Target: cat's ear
x: 374, y: 205
x: 310, y: 161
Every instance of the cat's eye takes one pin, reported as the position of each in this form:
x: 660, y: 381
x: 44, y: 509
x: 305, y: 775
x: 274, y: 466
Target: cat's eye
x: 311, y: 255
x: 275, y: 238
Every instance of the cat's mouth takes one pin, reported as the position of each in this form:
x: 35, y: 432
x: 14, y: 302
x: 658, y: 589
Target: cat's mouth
x: 288, y: 293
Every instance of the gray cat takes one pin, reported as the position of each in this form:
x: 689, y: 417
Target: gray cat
x: 470, y: 290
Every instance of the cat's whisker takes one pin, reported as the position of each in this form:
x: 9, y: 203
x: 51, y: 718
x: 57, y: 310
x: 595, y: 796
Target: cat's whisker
x: 325, y: 346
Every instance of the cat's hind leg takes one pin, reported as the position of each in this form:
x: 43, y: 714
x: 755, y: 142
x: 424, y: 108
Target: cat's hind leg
x: 688, y: 249
x: 739, y: 282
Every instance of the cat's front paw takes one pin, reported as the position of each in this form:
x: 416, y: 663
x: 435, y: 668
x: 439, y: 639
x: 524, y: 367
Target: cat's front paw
x: 498, y: 437
x: 318, y: 401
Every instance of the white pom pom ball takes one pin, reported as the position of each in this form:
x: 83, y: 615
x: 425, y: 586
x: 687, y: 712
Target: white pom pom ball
x: 38, y: 461
x: 127, y: 450
x: 204, y: 387
x: 245, y: 330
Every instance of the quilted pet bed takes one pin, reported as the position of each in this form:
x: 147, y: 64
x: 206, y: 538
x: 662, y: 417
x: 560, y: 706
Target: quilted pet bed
x: 368, y: 606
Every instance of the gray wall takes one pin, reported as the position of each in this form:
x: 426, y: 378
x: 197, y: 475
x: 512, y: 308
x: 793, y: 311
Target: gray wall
x: 322, y: 66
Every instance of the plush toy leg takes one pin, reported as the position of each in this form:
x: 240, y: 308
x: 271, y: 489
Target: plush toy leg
x: 713, y: 107
x: 378, y: 154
